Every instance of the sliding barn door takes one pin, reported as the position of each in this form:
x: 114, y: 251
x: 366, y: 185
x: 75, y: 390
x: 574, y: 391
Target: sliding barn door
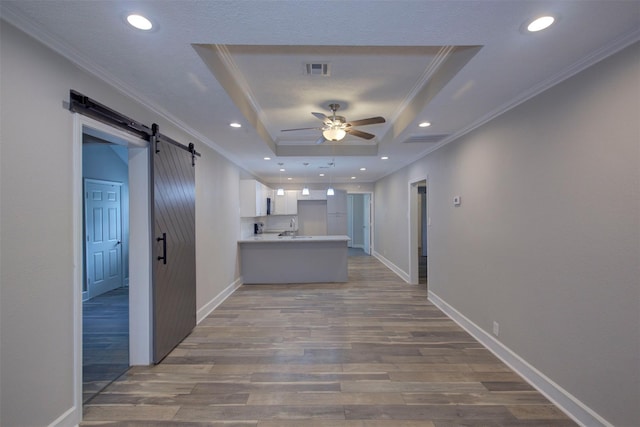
x: 174, y: 250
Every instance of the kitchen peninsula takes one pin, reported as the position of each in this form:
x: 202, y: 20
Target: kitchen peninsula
x: 270, y: 258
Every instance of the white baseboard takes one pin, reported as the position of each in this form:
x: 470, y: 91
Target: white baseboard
x: 219, y: 299
x: 568, y: 403
x: 70, y: 418
x: 403, y: 275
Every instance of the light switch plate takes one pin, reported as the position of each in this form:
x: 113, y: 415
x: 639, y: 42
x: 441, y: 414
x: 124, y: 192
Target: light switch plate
x: 457, y: 201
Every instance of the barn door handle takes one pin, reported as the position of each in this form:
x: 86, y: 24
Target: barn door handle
x: 164, y: 248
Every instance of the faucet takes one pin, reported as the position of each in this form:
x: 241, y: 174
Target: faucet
x: 292, y: 223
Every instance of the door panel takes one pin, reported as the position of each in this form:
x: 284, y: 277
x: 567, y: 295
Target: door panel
x: 174, y: 272
x: 103, y: 237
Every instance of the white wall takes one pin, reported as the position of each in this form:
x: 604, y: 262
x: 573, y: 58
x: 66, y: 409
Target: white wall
x: 217, y: 230
x: 547, y: 239
x: 36, y: 267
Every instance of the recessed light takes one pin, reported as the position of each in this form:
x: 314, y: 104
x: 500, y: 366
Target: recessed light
x: 283, y: 170
x: 289, y: 178
x: 363, y: 169
x: 267, y: 158
x: 540, y: 24
x: 321, y: 174
x: 139, y: 22
x: 353, y: 177
x: 384, y: 158
x: 424, y: 124
x: 235, y: 125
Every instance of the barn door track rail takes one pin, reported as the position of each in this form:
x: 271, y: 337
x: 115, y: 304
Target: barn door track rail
x: 82, y: 104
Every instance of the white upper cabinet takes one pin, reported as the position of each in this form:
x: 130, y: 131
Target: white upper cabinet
x: 313, y: 195
x: 253, y: 198
x: 287, y: 204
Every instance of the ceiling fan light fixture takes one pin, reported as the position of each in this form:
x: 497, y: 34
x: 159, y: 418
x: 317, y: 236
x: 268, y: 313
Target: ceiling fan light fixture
x: 334, y: 134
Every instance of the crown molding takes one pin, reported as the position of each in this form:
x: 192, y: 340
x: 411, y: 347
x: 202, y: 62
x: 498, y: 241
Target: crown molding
x: 38, y: 33
x: 582, y: 64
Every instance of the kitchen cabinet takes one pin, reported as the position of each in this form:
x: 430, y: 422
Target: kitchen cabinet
x: 297, y: 259
x: 287, y: 204
x: 253, y: 198
x: 313, y: 195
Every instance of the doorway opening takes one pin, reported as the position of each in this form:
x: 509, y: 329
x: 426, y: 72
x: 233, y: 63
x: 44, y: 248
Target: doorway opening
x: 422, y: 234
x: 418, y: 232
x: 114, y: 317
x: 359, y: 221
x: 105, y: 293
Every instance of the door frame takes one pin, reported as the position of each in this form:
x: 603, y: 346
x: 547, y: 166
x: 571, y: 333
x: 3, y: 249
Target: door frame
x: 139, y: 246
x: 368, y: 204
x: 414, y: 218
x: 371, y: 218
x: 85, y: 181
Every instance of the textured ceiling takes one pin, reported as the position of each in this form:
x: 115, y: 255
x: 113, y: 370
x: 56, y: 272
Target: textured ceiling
x: 205, y: 64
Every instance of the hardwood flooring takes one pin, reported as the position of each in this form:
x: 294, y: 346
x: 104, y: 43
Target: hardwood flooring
x: 373, y: 352
x: 105, y: 340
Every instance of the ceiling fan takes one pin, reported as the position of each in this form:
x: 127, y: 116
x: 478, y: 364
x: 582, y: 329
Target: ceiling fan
x: 335, y: 128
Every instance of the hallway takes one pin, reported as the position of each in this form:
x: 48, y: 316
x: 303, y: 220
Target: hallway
x: 371, y: 352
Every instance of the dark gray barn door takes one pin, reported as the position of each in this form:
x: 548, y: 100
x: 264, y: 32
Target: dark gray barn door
x: 174, y: 250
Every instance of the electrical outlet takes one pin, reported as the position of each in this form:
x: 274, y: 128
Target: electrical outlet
x: 496, y: 328
x: 457, y: 201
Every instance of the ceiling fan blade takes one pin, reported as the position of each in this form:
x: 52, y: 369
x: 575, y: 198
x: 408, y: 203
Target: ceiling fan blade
x: 322, y: 117
x: 359, y: 133
x: 321, y: 139
x: 369, y: 121
x: 287, y: 130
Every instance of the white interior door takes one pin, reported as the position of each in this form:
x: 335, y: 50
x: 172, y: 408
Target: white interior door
x: 103, y: 236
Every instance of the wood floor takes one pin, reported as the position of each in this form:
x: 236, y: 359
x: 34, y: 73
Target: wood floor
x: 105, y: 340
x: 373, y: 352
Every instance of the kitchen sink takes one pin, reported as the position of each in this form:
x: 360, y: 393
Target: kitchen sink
x: 288, y: 233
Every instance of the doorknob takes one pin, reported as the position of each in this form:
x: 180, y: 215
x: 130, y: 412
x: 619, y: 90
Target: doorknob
x: 118, y: 242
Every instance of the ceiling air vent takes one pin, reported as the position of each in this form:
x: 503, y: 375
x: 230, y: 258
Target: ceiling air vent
x: 317, y: 69
x: 425, y: 139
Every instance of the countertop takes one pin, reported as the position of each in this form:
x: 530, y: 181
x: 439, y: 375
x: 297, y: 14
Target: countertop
x: 274, y: 238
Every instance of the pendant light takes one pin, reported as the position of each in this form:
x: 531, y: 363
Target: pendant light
x: 305, y: 189
x: 280, y: 190
x: 330, y: 191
